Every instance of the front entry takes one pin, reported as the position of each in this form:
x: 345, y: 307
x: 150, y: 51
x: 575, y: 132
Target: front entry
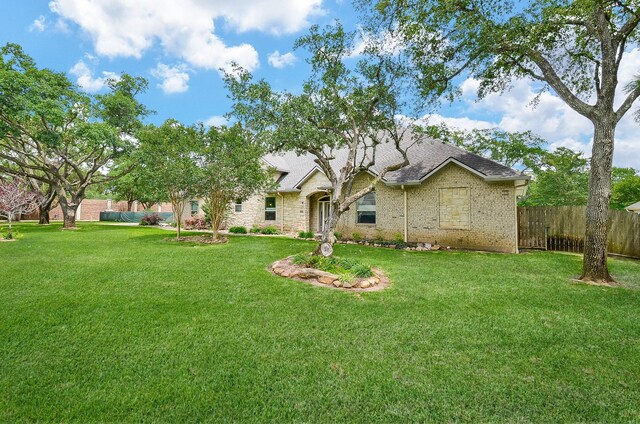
x: 324, y: 206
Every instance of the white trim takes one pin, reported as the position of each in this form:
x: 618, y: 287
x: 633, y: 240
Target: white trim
x: 308, y: 175
x: 457, y: 162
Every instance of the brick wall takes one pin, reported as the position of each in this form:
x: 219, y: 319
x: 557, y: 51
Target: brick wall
x: 454, y: 207
x: 90, y: 209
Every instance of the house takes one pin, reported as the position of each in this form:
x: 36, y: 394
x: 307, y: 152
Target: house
x: 633, y: 208
x: 445, y: 195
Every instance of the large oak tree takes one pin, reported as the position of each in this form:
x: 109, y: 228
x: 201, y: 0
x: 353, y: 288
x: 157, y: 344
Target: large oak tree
x: 573, y: 47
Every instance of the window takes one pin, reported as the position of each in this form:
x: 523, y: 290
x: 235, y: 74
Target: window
x: 366, y: 209
x: 194, y: 207
x: 238, y: 207
x: 269, y: 208
x: 455, y: 208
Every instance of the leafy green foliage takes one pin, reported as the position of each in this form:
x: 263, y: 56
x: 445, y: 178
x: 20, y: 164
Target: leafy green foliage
x: 335, y: 265
x: 238, y: 230
x: 269, y: 230
x: 306, y: 234
x: 625, y: 191
x: 561, y: 179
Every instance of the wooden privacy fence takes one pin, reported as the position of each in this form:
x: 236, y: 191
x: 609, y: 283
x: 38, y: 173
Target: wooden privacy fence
x: 563, y: 227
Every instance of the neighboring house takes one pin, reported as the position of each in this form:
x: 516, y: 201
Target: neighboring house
x: 633, y: 208
x: 445, y: 195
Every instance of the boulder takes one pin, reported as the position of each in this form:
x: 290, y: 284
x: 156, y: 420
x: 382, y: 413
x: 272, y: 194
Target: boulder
x: 347, y: 284
x: 337, y: 283
x: 326, y: 280
x: 365, y: 284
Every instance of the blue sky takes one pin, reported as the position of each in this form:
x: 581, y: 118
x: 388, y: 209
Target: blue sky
x: 179, y: 45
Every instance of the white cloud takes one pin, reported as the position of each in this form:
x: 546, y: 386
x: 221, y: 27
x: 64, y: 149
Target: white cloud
x: 462, y: 123
x: 85, y: 78
x: 215, y: 121
x: 184, y: 29
x: 387, y: 42
x: 553, y: 119
x: 175, y: 79
x: 39, y: 24
x: 280, y: 61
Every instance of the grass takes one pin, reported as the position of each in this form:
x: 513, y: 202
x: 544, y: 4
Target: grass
x: 111, y: 323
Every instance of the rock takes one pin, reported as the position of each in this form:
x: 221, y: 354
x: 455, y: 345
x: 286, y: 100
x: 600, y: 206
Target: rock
x: 305, y: 273
x: 365, y: 284
x: 435, y: 247
x: 374, y: 280
x: 408, y: 249
x: 277, y: 270
x: 427, y: 246
x: 420, y: 245
x: 326, y: 280
x: 347, y: 284
x: 337, y: 283
x: 392, y: 246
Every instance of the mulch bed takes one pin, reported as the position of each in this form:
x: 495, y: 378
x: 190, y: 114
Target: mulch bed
x: 199, y: 239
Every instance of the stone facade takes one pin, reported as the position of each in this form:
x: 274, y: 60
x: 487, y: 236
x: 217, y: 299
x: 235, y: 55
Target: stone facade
x: 454, y: 207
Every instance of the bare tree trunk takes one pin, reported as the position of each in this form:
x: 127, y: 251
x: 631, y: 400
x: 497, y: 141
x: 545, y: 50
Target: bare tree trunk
x: 328, y: 234
x: 10, y: 231
x: 45, y: 207
x: 69, y: 210
x: 177, y: 204
x: 595, y: 248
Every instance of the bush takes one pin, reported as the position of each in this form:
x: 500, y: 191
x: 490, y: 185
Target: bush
x: 356, y: 236
x: 254, y: 230
x: 335, y: 265
x: 152, y: 219
x: 379, y: 236
x: 196, y: 222
x: 337, y: 235
x: 306, y: 234
x: 269, y: 230
x: 238, y: 230
x: 398, y: 238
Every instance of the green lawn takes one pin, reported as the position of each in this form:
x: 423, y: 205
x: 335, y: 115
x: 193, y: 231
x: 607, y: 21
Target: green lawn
x: 111, y: 323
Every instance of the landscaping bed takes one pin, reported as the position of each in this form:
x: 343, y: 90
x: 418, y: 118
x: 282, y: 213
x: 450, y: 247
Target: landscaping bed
x: 331, y: 272
x: 202, y: 239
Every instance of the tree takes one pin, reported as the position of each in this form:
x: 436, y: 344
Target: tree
x: 16, y: 198
x: 171, y: 151
x: 60, y: 136
x: 232, y: 170
x: 523, y: 150
x: 572, y: 47
x: 561, y: 179
x: 46, y: 192
x: 341, y: 112
x: 137, y: 185
x: 625, y: 189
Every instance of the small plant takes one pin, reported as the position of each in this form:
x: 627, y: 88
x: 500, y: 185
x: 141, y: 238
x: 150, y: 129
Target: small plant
x: 356, y: 236
x: 254, y: 230
x: 337, y: 235
x: 379, y: 236
x: 398, y: 238
x: 238, y: 230
x: 347, y: 277
x: 306, y: 234
x: 361, y: 270
x: 151, y: 219
x: 269, y: 230
x: 196, y: 222
x: 300, y: 259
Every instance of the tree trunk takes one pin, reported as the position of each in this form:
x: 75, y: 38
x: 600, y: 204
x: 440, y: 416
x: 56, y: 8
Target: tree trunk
x: 69, y: 210
x: 10, y: 231
x: 44, y: 208
x: 595, y: 246
x: 328, y: 235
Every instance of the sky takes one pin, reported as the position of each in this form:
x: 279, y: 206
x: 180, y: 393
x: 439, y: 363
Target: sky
x: 179, y: 46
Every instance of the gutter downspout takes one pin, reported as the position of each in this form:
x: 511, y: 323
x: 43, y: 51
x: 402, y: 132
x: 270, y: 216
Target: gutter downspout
x: 282, y: 212
x: 406, y: 218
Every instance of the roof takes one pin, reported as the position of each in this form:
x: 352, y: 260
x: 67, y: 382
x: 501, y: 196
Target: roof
x: 634, y: 207
x: 425, y: 159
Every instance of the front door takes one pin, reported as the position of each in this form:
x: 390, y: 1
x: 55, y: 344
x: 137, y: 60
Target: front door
x: 323, y: 212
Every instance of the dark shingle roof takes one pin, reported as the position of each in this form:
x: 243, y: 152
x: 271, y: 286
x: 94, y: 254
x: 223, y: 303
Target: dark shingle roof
x: 425, y: 158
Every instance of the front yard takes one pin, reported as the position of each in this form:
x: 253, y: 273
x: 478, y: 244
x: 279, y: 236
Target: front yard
x: 112, y: 323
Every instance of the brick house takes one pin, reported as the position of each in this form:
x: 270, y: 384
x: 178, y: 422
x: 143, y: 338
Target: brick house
x: 445, y: 195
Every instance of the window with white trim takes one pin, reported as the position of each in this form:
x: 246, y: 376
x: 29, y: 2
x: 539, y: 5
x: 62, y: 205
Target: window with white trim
x: 269, y: 208
x: 238, y: 205
x: 194, y: 207
x: 366, y: 209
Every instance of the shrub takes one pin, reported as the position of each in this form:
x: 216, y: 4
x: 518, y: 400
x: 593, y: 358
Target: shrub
x: 356, y: 236
x: 238, y: 230
x: 306, y: 234
x: 361, y: 270
x: 379, y: 236
x: 270, y: 229
x: 347, y: 277
x: 254, y: 230
x: 152, y: 219
x: 337, y: 235
x: 300, y: 259
x: 398, y: 238
x: 195, y: 222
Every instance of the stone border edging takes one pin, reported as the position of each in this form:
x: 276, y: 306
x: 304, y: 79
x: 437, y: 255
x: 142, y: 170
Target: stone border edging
x: 286, y: 268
